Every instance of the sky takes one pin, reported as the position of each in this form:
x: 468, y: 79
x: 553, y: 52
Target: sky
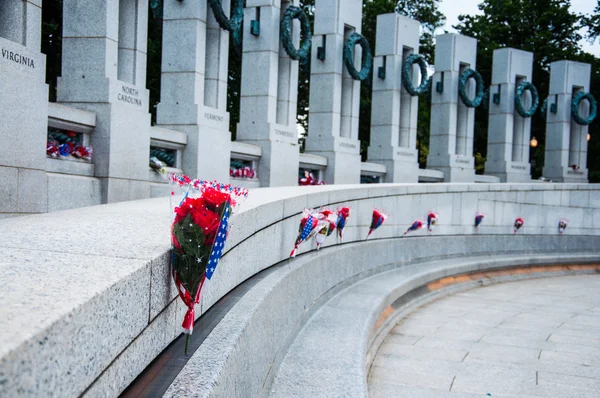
x: 453, y: 8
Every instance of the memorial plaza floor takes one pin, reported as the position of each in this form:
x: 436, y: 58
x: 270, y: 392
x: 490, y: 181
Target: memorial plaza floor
x: 533, y: 338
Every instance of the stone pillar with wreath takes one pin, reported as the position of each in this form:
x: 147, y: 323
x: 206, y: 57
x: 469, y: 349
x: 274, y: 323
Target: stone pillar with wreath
x: 570, y: 108
x: 269, y: 94
x: 341, y: 60
x: 513, y: 100
x: 456, y: 90
x: 395, y: 103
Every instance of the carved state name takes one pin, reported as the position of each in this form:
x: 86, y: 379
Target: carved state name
x: 129, y: 95
x: 17, y: 58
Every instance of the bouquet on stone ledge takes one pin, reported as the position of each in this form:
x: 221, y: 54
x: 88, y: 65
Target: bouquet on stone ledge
x: 308, y: 228
x: 376, y: 221
x: 198, y: 233
x: 326, y: 227
x: 414, y: 227
x: 562, y: 225
x: 432, y: 219
x: 478, y: 220
x: 518, y: 224
x: 342, y: 217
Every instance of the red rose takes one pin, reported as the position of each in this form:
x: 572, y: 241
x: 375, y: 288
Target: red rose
x: 209, y: 222
x: 214, y: 198
x: 186, y: 208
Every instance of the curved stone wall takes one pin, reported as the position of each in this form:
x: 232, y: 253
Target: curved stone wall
x: 87, y: 302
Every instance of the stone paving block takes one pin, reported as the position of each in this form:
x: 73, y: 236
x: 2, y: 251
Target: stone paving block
x: 482, y: 379
x: 420, y: 352
x: 424, y: 374
x: 570, y: 357
x: 568, y: 382
x: 385, y: 390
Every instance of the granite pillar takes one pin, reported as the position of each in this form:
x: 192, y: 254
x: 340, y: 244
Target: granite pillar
x: 194, y: 86
x: 269, y: 93
x: 509, y: 132
x: 23, y: 109
x: 452, y: 122
x: 394, y: 111
x: 566, y: 141
x: 95, y: 57
x: 334, y: 95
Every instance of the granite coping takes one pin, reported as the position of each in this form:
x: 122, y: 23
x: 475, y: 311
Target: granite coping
x: 57, y: 266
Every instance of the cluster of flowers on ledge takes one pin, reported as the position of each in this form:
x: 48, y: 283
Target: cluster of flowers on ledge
x: 66, y: 145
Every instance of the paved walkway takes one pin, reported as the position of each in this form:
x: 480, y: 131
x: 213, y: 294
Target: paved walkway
x: 535, y: 338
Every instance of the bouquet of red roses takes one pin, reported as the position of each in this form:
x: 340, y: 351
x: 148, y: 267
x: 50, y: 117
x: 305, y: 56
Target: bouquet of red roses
x: 376, y: 221
x: 518, y: 224
x: 415, y: 226
x: 343, y: 215
x: 562, y: 225
x: 478, y: 219
x: 432, y: 219
x: 198, y: 234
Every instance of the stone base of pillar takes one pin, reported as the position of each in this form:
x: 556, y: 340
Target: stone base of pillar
x: 207, y: 154
x: 402, y: 166
x: 560, y: 174
x: 456, y: 168
x: 280, y: 158
x: 509, y: 171
x: 121, y: 143
x: 343, y: 158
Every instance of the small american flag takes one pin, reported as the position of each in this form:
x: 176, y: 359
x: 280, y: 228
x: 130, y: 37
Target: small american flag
x: 219, y: 244
x: 308, y: 227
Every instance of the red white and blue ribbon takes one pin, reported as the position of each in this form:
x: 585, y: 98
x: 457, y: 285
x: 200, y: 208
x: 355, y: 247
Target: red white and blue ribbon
x: 326, y: 227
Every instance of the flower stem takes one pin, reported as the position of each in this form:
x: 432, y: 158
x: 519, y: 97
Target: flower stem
x: 187, y: 341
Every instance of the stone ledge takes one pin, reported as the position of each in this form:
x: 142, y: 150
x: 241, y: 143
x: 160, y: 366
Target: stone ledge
x: 263, y: 233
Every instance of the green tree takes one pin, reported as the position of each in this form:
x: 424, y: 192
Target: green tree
x: 545, y: 27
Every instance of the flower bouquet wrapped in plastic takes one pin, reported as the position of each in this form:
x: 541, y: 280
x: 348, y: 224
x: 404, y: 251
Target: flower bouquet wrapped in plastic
x: 158, y: 165
x: 308, y: 227
x: 342, y: 217
x: 432, y: 219
x: 478, y: 219
x: 414, y: 227
x: 325, y: 227
x: 377, y: 220
x: 198, y: 234
x: 518, y: 224
x: 562, y: 225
